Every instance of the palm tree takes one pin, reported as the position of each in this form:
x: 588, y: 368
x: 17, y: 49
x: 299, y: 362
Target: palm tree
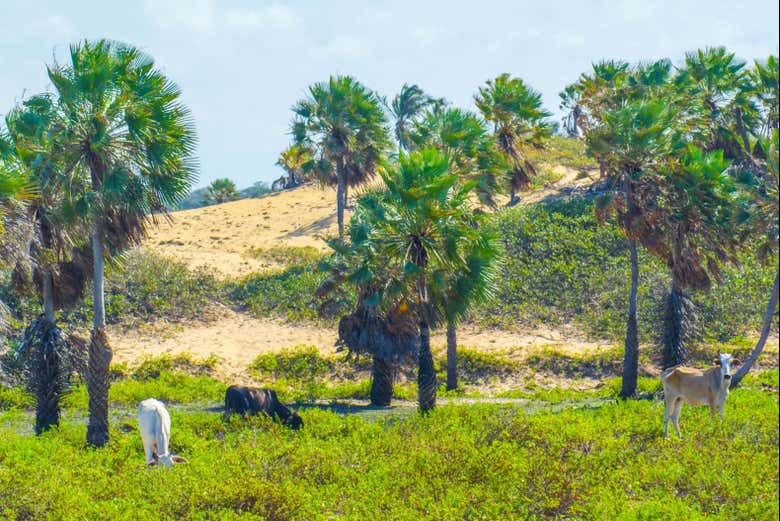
x: 221, y: 191
x: 630, y: 144
x: 764, y: 77
x: 406, y: 107
x: 519, y: 123
x: 714, y: 90
x: 760, y: 220
x: 295, y: 160
x: 423, y: 224
x: 128, y: 143
x: 342, y: 124
x: 474, y: 157
x: 381, y: 325
x: 60, y: 266
x: 698, y: 238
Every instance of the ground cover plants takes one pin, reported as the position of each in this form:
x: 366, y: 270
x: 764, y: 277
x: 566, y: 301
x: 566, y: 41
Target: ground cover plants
x: 475, y: 461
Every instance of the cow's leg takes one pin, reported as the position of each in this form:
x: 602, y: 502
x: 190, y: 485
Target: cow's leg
x: 668, y: 407
x: 149, y: 451
x: 676, y: 416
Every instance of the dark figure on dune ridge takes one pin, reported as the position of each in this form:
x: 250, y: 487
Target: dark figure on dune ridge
x: 251, y: 400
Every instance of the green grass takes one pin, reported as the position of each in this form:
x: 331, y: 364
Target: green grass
x: 459, y: 462
x: 287, y: 255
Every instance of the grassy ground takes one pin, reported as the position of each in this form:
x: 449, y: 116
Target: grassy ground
x: 603, y: 460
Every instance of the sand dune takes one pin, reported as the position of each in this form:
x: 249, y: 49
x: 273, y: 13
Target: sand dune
x: 222, y: 237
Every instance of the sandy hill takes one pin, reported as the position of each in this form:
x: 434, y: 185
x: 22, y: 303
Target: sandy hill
x: 226, y: 237
x: 223, y: 237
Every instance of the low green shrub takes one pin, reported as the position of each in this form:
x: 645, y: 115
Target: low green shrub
x: 289, y: 294
x: 287, y: 255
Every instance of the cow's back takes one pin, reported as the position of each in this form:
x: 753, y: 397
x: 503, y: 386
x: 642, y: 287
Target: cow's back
x: 692, y: 385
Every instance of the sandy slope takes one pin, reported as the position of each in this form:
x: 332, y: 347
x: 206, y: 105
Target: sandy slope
x: 236, y: 339
x: 220, y: 237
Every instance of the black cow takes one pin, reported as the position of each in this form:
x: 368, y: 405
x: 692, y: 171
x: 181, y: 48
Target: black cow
x: 251, y: 400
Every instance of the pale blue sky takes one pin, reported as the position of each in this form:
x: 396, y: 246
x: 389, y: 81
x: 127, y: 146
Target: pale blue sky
x: 242, y: 64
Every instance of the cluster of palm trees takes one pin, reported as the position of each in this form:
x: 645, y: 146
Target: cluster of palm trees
x: 109, y: 146
x: 689, y: 172
x: 689, y: 156
x: 416, y: 251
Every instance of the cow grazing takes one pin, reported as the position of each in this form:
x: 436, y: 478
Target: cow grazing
x: 697, y: 387
x: 251, y: 400
x: 155, y: 426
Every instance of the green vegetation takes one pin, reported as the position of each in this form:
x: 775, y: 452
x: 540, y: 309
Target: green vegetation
x: 198, y: 198
x: 598, y: 461
x: 564, y: 151
x: 562, y: 267
x: 287, y: 255
x: 220, y: 191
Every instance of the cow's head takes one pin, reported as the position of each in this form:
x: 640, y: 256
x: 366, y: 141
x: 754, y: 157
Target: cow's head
x: 166, y: 461
x: 294, y: 421
x: 724, y: 360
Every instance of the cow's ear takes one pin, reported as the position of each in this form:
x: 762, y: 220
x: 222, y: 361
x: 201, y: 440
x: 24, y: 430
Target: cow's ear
x: 178, y: 459
x: 735, y: 362
x: 717, y: 361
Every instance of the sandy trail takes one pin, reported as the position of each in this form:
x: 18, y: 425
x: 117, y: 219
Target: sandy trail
x: 236, y: 339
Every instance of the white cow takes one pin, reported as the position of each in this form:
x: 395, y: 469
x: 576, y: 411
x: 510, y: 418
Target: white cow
x: 155, y: 426
x: 697, y: 387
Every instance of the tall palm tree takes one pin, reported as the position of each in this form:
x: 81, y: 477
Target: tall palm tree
x: 60, y: 267
x: 424, y: 224
x: 342, y: 124
x: 698, y: 237
x: 474, y: 157
x: 407, y: 106
x: 519, y: 123
x: 631, y: 143
x: 130, y: 142
x: 759, y: 219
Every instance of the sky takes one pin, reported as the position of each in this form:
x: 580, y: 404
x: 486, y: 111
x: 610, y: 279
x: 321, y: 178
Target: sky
x: 242, y: 64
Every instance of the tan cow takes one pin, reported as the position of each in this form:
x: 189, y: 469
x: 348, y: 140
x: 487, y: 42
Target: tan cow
x: 697, y: 387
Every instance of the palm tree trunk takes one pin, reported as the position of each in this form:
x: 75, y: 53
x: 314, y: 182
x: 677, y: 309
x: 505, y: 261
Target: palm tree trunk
x: 426, y: 374
x: 631, y: 357
x: 678, y: 326
x: 382, y: 378
x: 768, y: 316
x: 340, y: 191
x: 48, y: 294
x: 47, y: 368
x: 99, y: 351
x: 452, y: 357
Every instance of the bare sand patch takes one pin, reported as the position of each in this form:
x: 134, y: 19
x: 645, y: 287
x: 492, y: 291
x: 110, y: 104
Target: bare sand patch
x: 236, y: 339
x: 221, y: 237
